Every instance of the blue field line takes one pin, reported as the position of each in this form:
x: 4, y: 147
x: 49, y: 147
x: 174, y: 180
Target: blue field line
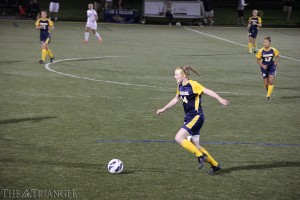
x: 213, y: 143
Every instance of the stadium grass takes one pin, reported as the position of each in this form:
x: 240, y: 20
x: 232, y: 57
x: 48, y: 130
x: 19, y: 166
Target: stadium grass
x: 51, y: 124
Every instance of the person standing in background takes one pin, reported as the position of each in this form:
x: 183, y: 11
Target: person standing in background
x: 254, y: 24
x: 54, y: 8
x: 91, y: 24
x: 120, y: 4
x: 168, y: 11
x: 288, y: 4
x: 240, y: 9
x: 208, y: 11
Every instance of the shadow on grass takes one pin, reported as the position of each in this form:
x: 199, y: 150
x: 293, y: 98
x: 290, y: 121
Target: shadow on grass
x: 29, y: 119
x: 259, y: 167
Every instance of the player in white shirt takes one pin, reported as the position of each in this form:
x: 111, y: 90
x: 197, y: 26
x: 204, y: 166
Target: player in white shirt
x: 91, y: 24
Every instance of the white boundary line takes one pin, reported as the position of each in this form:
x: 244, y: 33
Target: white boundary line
x: 47, y: 66
x: 236, y: 43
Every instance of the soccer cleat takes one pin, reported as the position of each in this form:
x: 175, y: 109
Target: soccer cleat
x: 268, y: 99
x: 202, y: 160
x: 214, y: 169
x: 51, y: 59
x: 41, y: 62
x: 255, y: 50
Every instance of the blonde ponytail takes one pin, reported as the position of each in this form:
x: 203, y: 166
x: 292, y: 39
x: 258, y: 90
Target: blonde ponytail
x: 185, y: 70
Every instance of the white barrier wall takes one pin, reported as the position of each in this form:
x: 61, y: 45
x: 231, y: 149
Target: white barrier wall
x: 181, y: 9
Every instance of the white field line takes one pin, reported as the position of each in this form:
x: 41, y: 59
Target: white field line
x: 232, y: 42
x: 47, y: 66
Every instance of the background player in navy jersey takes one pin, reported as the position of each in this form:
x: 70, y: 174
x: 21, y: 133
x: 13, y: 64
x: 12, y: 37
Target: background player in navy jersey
x: 190, y: 92
x: 254, y: 23
x: 44, y: 25
x: 268, y: 58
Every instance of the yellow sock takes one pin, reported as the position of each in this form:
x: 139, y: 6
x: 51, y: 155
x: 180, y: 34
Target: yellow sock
x: 44, y: 54
x: 188, y: 145
x: 255, y: 46
x: 50, y: 53
x: 209, y: 158
x: 250, y: 47
x: 270, y: 90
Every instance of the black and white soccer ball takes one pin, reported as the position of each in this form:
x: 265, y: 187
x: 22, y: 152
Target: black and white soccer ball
x: 115, y: 166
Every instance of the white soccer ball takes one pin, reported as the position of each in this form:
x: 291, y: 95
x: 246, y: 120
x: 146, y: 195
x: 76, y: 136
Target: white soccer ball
x: 115, y: 166
x: 178, y: 24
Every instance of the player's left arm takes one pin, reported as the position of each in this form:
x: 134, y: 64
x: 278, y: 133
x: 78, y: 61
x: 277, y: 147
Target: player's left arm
x: 51, y: 25
x: 213, y: 94
x: 276, y: 57
x: 259, y: 22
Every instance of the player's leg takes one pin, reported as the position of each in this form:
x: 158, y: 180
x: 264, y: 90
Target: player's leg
x: 97, y: 35
x: 44, y: 51
x: 254, y: 36
x: 86, y: 34
x: 56, y: 11
x: 254, y: 45
x: 49, y: 52
x: 195, y: 139
x: 181, y: 138
x: 264, y: 75
x: 270, y: 86
x: 250, y: 41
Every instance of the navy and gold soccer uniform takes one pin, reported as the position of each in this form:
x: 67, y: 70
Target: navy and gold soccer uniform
x: 190, y: 95
x: 253, y: 29
x: 45, y: 37
x: 267, y: 57
x: 44, y: 31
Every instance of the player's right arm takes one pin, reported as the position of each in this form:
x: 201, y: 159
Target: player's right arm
x: 37, y: 25
x: 172, y: 103
x: 249, y: 23
x: 259, y: 59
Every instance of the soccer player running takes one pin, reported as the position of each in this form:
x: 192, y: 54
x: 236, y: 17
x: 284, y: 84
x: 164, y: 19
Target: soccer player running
x: 44, y: 25
x: 91, y: 24
x: 190, y: 92
x: 254, y: 23
x: 268, y: 59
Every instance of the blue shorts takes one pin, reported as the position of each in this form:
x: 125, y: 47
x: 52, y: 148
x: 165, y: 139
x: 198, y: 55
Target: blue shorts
x: 193, y: 124
x: 253, y: 33
x: 45, y: 39
x: 271, y: 70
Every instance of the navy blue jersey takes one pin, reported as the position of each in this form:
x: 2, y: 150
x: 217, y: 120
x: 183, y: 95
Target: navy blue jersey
x: 253, y: 21
x: 267, y: 55
x: 45, y: 23
x: 190, y: 95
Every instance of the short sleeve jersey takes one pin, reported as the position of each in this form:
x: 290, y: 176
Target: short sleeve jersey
x: 257, y: 20
x: 45, y: 23
x: 91, y: 16
x: 190, y: 95
x: 267, y: 55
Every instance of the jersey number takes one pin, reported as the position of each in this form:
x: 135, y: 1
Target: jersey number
x: 184, y: 99
x: 268, y: 59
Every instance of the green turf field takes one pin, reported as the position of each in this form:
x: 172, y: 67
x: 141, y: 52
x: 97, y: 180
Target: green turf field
x: 59, y: 131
